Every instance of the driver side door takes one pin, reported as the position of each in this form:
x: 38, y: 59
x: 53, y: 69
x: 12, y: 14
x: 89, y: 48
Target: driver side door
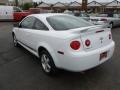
x: 25, y: 27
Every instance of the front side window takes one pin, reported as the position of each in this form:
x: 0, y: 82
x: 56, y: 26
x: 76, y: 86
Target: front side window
x: 39, y: 25
x: 63, y: 22
x: 28, y: 23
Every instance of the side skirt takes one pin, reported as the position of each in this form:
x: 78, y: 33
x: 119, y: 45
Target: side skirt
x: 29, y: 49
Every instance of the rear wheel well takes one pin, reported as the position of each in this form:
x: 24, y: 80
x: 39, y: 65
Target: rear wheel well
x: 40, y: 49
x: 50, y: 62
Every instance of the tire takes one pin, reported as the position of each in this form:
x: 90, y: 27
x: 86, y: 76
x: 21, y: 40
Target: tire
x: 47, y: 63
x: 15, y: 41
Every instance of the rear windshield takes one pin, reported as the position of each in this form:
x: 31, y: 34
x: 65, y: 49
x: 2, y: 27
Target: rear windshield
x: 64, y: 22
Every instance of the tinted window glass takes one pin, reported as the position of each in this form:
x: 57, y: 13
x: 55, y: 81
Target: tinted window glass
x: 16, y: 9
x: 39, y: 25
x: 28, y: 22
x: 63, y: 22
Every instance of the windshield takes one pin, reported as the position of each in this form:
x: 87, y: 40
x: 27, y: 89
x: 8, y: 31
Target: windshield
x: 64, y: 22
x: 17, y: 9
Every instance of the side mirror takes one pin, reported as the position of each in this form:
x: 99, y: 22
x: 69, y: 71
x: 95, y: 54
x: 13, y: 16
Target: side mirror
x: 16, y: 25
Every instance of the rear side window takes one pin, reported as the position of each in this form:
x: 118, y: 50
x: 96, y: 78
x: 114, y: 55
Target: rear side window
x: 28, y: 22
x: 39, y: 25
x: 64, y: 22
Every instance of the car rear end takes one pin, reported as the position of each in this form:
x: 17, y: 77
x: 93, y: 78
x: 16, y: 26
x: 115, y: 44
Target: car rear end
x: 88, y: 48
x: 100, y: 21
x: 80, y: 45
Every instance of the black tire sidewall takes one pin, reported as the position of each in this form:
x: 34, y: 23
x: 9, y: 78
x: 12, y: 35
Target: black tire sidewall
x: 16, y: 41
x: 51, y: 63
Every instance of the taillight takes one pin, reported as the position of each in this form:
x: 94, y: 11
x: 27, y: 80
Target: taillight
x: 110, y: 36
x: 75, y: 45
x: 87, y: 42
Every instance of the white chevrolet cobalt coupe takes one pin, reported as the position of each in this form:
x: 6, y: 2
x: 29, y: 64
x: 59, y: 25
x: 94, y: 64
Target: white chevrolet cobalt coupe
x: 64, y: 41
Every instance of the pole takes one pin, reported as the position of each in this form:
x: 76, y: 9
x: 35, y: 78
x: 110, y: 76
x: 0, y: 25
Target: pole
x: 16, y: 2
x: 84, y: 5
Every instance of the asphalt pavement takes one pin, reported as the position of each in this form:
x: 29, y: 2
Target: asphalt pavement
x: 20, y: 70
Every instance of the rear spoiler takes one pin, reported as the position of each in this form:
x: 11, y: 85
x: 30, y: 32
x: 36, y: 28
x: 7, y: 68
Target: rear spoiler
x: 96, y: 29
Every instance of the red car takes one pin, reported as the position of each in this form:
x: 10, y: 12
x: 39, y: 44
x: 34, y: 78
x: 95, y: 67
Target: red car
x: 19, y: 14
x: 10, y: 13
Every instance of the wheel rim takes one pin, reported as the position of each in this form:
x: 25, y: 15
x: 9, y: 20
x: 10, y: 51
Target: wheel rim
x: 15, y: 41
x: 45, y: 61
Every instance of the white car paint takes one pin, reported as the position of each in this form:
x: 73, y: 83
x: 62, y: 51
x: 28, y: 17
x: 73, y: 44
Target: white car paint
x: 54, y: 41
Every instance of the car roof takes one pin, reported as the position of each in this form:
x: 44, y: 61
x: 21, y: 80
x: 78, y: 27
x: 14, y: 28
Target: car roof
x: 45, y: 15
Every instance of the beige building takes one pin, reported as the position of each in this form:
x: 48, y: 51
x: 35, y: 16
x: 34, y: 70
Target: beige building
x: 94, y: 6
x: 3, y: 1
x: 75, y: 6
x: 44, y: 6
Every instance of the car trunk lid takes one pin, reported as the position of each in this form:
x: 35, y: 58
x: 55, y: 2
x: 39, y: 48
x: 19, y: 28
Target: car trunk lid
x: 97, y: 37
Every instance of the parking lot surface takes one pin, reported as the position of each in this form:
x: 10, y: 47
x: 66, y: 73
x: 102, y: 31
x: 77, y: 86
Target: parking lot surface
x: 20, y: 70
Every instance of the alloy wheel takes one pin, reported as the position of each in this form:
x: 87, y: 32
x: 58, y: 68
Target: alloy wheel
x: 45, y: 61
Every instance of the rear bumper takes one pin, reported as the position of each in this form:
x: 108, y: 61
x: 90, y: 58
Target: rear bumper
x: 85, y: 60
